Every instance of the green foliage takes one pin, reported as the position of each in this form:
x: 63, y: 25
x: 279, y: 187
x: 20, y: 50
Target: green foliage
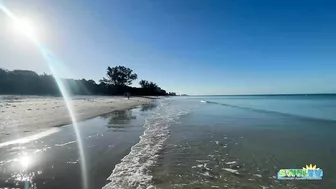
x: 151, y: 88
x: 143, y: 83
x: 148, y: 85
x: 120, y: 76
x: 26, y: 82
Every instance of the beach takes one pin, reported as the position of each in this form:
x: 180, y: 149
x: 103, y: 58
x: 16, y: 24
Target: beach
x: 53, y: 160
x: 238, y: 142
x: 167, y: 94
x: 26, y: 115
x: 39, y: 144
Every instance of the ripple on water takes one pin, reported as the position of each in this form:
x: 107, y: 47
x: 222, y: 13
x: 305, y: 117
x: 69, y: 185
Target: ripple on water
x: 134, y: 169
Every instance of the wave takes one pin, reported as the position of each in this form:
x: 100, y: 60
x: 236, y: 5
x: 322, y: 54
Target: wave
x: 133, y: 171
x: 269, y: 111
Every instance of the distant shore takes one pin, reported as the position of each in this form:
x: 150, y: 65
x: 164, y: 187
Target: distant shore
x: 27, y: 115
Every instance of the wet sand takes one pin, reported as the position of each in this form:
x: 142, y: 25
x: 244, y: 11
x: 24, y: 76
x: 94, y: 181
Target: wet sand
x: 53, y: 162
x: 26, y: 115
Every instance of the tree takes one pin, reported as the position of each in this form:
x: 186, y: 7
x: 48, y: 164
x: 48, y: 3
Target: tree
x: 153, y: 86
x: 144, y: 83
x: 120, y: 76
x: 148, y: 85
x: 172, y: 94
x: 26, y: 82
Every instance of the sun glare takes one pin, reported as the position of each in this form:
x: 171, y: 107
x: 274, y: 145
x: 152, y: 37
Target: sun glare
x: 21, y: 25
x: 24, y: 27
x: 25, y: 161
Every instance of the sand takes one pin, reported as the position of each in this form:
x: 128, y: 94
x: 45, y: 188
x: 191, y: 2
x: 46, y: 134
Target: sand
x: 27, y: 115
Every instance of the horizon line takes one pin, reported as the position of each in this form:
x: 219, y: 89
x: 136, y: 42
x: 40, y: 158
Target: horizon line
x: 275, y: 94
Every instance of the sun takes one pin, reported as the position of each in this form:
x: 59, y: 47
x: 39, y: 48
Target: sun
x: 23, y: 26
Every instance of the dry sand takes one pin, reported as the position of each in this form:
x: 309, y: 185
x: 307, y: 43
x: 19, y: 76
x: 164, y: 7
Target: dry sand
x: 26, y: 115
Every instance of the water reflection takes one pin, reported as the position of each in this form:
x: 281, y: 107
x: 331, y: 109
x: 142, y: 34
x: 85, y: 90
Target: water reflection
x: 20, y: 176
x: 30, y: 138
x: 52, y: 162
x: 119, y: 119
x: 25, y: 161
x: 148, y: 107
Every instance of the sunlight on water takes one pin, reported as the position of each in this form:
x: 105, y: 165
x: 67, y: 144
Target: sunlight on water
x: 25, y: 161
x: 52, y: 62
x: 30, y: 138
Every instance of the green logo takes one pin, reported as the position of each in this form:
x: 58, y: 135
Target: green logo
x: 306, y: 173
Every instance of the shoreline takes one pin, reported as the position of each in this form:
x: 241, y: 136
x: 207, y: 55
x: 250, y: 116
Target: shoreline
x: 105, y: 139
x: 22, y: 116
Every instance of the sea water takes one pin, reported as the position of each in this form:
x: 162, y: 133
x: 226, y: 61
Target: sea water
x: 233, y: 142
x: 190, y: 142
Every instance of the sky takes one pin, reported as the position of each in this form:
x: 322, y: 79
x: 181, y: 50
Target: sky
x: 186, y: 46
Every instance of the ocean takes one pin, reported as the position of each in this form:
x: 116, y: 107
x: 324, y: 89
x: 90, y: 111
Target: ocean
x: 243, y: 141
x: 194, y: 142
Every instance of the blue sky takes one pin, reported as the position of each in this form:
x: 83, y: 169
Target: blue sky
x: 187, y: 46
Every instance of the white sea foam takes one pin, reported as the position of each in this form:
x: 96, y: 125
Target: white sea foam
x: 133, y: 171
x: 231, y: 162
x: 202, y: 161
x: 64, y: 144
x: 231, y: 170
x: 257, y: 175
x: 206, y: 174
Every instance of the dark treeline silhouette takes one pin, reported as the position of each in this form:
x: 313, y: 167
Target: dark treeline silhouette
x: 26, y: 82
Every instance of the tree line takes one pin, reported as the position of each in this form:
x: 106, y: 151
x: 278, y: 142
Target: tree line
x: 117, y: 82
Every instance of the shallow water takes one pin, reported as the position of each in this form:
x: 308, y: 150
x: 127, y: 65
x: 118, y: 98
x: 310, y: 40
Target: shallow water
x: 244, y: 143
x: 53, y: 160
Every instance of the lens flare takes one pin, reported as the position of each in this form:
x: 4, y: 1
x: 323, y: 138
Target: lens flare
x: 52, y: 62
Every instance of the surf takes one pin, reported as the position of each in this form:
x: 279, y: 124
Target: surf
x: 134, y: 169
